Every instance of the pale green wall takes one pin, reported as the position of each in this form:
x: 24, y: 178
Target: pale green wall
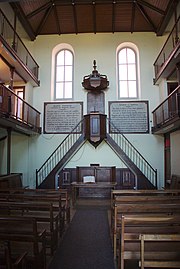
x: 28, y: 154
x: 101, y: 47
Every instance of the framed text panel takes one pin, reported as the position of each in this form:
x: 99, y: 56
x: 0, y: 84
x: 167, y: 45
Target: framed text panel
x: 62, y: 117
x: 129, y: 117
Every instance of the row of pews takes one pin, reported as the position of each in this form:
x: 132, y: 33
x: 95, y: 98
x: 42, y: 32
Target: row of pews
x: 32, y: 223
x: 145, y: 228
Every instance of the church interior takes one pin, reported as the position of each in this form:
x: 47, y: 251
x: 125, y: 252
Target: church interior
x: 89, y: 134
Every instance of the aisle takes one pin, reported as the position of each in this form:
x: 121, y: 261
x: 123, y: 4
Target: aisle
x: 87, y: 242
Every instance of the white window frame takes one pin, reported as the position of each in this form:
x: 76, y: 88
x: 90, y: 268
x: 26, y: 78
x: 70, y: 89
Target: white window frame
x: 56, y: 50
x: 134, y: 48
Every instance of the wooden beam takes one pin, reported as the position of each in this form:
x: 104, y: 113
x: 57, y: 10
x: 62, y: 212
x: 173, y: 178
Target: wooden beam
x: 141, y: 9
x: 94, y: 15
x: 168, y: 14
x: 22, y: 18
x: 44, y: 19
x: 57, y: 20
x: 75, y: 17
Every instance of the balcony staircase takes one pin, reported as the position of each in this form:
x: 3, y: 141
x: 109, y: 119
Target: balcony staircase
x: 145, y: 174
x: 46, y: 174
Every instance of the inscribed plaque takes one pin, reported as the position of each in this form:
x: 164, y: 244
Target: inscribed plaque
x: 129, y: 117
x: 62, y: 117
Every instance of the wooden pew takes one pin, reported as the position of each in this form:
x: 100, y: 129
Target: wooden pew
x: 65, y: 196
x: 167, y: 192
x: 140, y: 209
x: 8, y: 260
x: 45, y: 214
x: 130, y: 235
x: 33, y: 196
x: 24, y: 235
x: 166, y: 249
x: 141, y: 199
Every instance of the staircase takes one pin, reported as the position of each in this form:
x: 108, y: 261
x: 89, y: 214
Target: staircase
x: 146, y: 175
x: 47, y: 173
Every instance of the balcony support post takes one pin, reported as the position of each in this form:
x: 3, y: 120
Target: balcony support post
x: 9, y: 151
x: 178, y: 72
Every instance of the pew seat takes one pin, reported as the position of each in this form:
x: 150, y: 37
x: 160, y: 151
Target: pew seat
x: 166, y: 251
x: 132, y: 227
x: 24, y: 236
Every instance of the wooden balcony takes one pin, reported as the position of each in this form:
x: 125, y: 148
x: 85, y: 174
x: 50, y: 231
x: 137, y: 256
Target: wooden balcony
x: 14, y: 52
x: 169, y: 55
x: 166, y: 117
x: 17, y: 114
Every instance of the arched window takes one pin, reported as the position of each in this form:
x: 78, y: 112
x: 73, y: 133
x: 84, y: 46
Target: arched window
x: 64, y: 74
x: 127, y: 73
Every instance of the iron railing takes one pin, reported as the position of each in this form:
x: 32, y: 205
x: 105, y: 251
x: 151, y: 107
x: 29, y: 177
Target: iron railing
x: 11, y: 105
x: 12, y: 39
x: 133, y: 154
x: 172, y: 42
x: 59, y: 153
x: 167, y: 110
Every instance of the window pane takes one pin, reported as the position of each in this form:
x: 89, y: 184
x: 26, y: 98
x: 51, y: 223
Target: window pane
x: 59, y: 90
x: 60, y: 73
x: 132, y: 89
x: 131, y: 72
x: 123, y: 72
x: 68, y: 57
x: 122, y: 56
x: 123, y: 89
x: 60, y: 58
x: 64, y: 74
x: 130, y: 56
x: 127, y: 73
x: 68, y: 90
x: 68, y: 73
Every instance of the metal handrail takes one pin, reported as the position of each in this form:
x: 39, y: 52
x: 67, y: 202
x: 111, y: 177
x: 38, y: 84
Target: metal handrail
x: 133, y: 154
x: 130, y: 151
x: 59, y: 153
x: 171, y: 43
x: 10, y: 36
x: 11, y: 105
x: 168, y: 109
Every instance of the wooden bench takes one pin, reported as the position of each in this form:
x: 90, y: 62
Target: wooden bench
x: 130, y: 235
x: 34, y: 196
x: 166, y: 252
x: 64, y: 193
x: 167, y: 192
x: 45, y: 214
x: 8, y: 260
x: 141, y: 199
x: 24, y: 235
x: 139, y: 209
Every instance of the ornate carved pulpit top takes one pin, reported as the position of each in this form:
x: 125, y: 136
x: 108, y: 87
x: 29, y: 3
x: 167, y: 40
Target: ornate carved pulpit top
x: 95, y: 81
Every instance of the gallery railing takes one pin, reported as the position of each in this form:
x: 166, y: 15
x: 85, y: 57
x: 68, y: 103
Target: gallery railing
x: 12, y: 106
x: 167, y: 110
x: 132, y: 153
x: 59, y: 153
x: 172, y: 43
x: 12, y: 39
